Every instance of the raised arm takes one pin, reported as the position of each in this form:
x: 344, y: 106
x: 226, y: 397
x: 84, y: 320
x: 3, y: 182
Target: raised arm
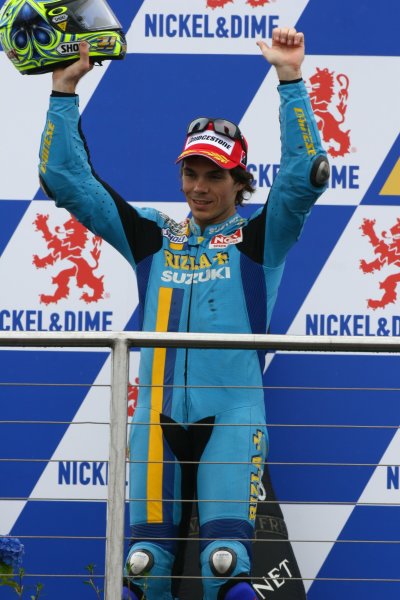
x: 304, y: 168
x: 68, y: 177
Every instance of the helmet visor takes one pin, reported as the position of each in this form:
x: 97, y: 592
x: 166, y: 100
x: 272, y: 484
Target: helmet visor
x: 79, y: 16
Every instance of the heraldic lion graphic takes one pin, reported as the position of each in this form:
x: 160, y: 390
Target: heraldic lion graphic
x: 67, y: 243
x: 387, y: 249
x: 322, y: 96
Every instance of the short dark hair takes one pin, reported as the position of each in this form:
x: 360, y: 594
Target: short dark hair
x: 240, y: 175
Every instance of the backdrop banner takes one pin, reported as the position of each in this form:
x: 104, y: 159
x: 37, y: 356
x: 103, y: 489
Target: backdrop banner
x: 333, y: 419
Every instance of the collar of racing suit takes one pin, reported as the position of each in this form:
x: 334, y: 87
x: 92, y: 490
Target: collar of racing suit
x: 227, y: 226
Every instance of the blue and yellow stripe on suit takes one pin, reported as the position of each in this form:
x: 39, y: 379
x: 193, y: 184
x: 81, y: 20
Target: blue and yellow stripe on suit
x: 160, y: 477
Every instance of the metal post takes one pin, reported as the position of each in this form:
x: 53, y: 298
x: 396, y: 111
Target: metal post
x: 117, y: 470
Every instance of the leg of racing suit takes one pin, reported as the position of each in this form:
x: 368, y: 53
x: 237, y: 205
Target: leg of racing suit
x: 156, y: 524
x: 229, y: 492
x: 154, y: 516
x: 228, y: 481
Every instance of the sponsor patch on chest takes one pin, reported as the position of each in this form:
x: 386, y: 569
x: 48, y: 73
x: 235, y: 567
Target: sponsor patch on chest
x: 173, y: 237
x: 222, y: 241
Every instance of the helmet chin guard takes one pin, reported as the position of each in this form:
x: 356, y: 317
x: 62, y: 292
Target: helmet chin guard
x: 40, y: 36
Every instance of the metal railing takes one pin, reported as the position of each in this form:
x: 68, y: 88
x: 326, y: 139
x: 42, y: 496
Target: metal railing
x: 120, y: 344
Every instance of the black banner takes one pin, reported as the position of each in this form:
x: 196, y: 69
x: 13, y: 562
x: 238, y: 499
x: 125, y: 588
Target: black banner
x: 275, y: 569
x: 276, y: 574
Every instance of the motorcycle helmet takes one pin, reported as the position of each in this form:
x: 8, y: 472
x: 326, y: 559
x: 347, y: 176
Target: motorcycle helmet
x: 39, y: 36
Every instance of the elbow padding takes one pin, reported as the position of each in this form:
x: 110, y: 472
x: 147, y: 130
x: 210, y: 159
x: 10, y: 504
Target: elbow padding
x: 320, y: 171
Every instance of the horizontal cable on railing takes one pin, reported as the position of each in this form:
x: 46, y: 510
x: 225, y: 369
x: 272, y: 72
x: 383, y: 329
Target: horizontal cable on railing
x: 55, y: 537
x: 269, y: 463
x: 255, y: 581
x: 195, y: 538
x: 205, y: 501
x: 293, y: 388
x: 54, y: 422
x: 269, y: 425
x: 203, y: 462
x: 44, y: 384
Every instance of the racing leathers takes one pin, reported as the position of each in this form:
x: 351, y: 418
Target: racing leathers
x: 195, y: 406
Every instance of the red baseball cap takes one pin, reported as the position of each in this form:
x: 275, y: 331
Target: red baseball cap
x: 224, y: 151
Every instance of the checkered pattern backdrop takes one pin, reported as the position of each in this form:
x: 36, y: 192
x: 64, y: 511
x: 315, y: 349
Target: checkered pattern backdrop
x: 186, y: 59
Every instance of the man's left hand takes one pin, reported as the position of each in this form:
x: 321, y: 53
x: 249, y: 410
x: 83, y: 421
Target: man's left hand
x: 286, y: 52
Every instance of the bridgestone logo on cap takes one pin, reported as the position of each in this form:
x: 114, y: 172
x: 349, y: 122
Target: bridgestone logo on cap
x: 212, y: 139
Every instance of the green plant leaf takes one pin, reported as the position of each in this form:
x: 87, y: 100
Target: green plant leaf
x: 5, y: 569
x: 10, y: 582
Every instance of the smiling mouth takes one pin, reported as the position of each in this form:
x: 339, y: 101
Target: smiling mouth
x: 199, y: 202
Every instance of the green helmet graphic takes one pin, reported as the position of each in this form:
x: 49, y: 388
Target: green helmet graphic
x: 39, y: 36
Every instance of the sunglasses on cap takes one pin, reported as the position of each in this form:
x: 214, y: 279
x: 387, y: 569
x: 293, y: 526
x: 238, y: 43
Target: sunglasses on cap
x: 222, y: 126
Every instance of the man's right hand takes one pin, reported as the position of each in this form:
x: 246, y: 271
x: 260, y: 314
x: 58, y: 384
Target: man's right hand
x: 65, y: 79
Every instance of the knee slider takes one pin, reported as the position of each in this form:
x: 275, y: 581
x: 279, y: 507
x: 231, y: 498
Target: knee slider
x: 225, y: 558
x: 320, y: 171
x: 139, y: 562
x: 223, y: 562
x: 148, y: 570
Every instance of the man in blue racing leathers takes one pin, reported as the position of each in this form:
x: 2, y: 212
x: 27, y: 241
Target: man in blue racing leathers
x: 217, y: 273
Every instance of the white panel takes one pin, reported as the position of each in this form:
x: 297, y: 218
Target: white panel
x: 316, y: 526
x: 119, y: 297
x: 337, y: 304
x: 364, y: 133
x: 82, y: 480
x: 384, y: 484
x: 10, y: 510
x: 181, y: 27
x: 23, y: 106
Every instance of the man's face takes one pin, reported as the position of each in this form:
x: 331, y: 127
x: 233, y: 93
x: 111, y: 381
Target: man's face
x: 209, y: 190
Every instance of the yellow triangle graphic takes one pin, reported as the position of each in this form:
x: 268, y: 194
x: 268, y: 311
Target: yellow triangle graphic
x: 392, y: 185
x: 63, y: 25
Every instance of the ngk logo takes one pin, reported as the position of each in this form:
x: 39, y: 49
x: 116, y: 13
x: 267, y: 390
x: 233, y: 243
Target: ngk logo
x: 222, y: 241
